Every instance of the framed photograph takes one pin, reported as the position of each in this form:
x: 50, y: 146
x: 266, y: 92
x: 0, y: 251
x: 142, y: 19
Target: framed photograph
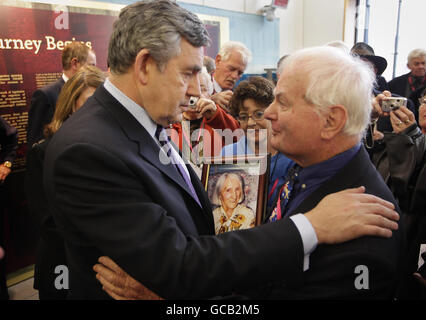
x: 237, y: 188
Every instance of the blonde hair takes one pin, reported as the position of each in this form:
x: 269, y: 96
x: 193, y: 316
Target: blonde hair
x: 87, y: 76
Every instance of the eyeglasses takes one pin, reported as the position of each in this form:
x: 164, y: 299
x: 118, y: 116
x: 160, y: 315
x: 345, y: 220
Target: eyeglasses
x: 256, y: 116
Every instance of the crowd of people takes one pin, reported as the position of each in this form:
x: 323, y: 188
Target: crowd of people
x: 347, y: 179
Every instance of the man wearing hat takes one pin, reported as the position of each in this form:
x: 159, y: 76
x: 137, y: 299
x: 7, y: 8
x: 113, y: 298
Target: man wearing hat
x: 365, y: 52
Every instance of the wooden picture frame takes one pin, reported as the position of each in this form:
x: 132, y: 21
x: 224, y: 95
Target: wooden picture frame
x: 253, y: 175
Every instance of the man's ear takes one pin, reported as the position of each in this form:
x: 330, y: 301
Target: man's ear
x: 142, y: 66
x: 217, y: 59
x: 74, y: 64
x: 335, y: 121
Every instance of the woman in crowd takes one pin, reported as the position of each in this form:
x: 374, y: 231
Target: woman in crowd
x: 50, y: 250
x: 248, y: 104
x: 228, y: 196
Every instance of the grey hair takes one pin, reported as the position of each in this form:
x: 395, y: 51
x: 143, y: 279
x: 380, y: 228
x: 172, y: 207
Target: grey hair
x: 207, y: 77
x: 338, y: 44
x: 334, y: 77
x: 416, y: 53
x: 228, y: 47
x: 219, y: 185
x: 156, y: 25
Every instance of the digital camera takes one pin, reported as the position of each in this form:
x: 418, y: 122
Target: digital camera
x: 393, y: 103
x: 193, y: 102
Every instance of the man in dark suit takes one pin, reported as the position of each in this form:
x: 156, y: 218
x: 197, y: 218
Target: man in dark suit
x: 318, y: 122
x: 116, y: 187
x: 43, y: 102
x: 406, y: 84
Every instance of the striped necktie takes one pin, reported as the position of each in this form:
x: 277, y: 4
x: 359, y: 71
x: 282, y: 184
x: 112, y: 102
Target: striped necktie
x: 164, y: 141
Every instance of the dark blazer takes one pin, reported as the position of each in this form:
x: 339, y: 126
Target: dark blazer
x: 110, y: 195
x: 398, y: 85
x: 332, y: 268
x: 43, y: 105
x: 50, y: 247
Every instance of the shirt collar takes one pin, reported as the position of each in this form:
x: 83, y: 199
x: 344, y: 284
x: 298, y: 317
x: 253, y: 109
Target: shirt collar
x: 65, y: 77
x: 324, y: 170
x: 217, y: 88
x: 135, y: 110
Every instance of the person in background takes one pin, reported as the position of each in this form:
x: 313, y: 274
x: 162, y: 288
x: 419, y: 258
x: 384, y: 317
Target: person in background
x: 51, y: 249
x: 43, y: 101
x: 406, y: 84
x: 210, y: 65
x: 8, y: 146
x: 401, y: 161
x: 231, y: 62
x: 248, y: 104
x: 379, y: 64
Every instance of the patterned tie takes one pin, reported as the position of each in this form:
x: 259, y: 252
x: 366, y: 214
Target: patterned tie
x: 164, y: 141
x: 285, y: 194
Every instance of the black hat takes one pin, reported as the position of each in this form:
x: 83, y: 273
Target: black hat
x: 364, y: 51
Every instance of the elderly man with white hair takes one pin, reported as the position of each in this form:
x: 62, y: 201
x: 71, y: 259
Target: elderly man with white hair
x: 231, y: 62
x: 321, y: 109
x: 406, y: 84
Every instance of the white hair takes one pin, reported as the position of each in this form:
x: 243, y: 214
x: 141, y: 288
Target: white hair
x: 228, y: 47
x: 336, y: 78
x: 416, y: 53
x: 219, y: 186
x: 207, y: 78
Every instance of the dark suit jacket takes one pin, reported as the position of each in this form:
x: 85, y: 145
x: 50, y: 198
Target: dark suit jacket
x: 50, y: 247
x: 43, y: 105
x: 110, y: 195
x: 332, y: 271
x: 398, y: 85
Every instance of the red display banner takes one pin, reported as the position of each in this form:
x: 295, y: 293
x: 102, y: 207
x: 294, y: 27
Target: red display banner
x: 32, y: 37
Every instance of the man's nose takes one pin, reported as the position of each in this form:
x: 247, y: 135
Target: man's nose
x: 194, y: 88
x: 269, y: 112
x: 251, y: 122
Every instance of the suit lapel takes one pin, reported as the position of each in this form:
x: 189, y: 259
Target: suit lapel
x: 148, y: 149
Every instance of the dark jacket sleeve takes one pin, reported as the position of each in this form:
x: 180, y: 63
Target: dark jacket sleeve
x: 8, y: 141
x: 40, y: 114
x: 405, y: 152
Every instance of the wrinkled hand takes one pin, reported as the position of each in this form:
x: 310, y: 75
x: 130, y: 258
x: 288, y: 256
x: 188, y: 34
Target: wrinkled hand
x: 349, y: 214
x: 206, y: 107
x: 223, y: 99
x: 401, y: 119
x: 120, y: 285
x: 4, y: 172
